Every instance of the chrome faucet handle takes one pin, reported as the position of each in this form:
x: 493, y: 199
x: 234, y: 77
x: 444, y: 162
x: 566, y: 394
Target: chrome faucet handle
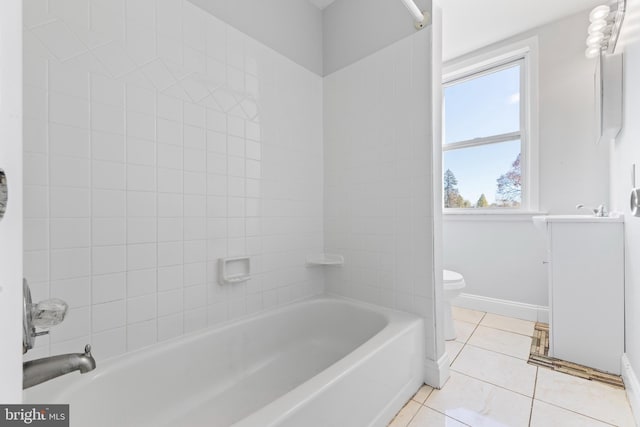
x: 87, y: 350
x: 48, y: 313
x: 44, y: 315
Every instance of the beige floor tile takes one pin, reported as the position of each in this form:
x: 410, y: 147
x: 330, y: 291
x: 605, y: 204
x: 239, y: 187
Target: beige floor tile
x: 590, y: 398
x: 545, y: 415
x: 453, y: 348
x: 509, y: 324
x: 427, y: 417
x: 478, y: 403
x: 496, y: 368
x: 466, y: 315
x: 405, y: 415
x: 422, y: 394
x: 463, y: 330
x: 515, y: 345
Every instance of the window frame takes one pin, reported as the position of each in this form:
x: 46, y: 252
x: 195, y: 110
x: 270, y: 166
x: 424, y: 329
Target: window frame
x: 525, y: 54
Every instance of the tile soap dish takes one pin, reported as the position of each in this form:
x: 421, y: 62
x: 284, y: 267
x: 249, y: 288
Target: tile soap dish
x: 325, y: 259
x: 234, y: 270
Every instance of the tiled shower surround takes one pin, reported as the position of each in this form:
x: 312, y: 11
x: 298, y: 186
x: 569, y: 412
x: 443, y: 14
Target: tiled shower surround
x: 158, y: 139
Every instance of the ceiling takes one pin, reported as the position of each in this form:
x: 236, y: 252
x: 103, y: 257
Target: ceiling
x: 321, y: 4
x: 468, y: 25
x: 471, y: 24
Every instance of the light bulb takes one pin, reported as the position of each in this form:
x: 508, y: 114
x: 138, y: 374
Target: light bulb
x: 597, y: 26
x: 592, y: 52
x: 595, y: 39
x: 599, y: 12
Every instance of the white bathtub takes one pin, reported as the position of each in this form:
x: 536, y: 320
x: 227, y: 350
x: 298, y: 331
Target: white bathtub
x: 319, y: 362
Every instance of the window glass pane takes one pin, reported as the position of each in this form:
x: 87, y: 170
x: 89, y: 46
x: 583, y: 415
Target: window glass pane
x: 484, y: 176
x: 483, y: 106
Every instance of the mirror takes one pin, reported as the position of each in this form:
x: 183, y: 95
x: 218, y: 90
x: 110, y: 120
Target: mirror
x: 608, y: 97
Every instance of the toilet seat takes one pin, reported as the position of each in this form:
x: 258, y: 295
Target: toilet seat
x: 452, y: 280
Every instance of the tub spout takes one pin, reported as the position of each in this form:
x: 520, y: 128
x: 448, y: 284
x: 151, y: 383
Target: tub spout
x: 38, y: 371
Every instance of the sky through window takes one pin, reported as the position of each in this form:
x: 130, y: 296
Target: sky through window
x: 479, y: 107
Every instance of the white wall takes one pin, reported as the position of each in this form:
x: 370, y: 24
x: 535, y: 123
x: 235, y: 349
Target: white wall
x: 378, y: 182
x: 291, y: 27
x: 503, y: 259
x: 11, y: 225
x: 157, y: 140
x: 626, y: 152
x: 355, y: 29
x: 499, y: 259
x: 464, y: 17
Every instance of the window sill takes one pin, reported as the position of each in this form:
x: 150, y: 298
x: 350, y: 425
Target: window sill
x: 494, y: 215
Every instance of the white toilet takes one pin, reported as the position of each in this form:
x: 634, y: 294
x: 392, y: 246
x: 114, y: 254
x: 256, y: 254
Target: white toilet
x: 453, y: 283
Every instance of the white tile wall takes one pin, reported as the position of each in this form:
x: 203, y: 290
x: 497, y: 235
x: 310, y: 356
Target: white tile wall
x: 158, y: 139
x: 378, y: 179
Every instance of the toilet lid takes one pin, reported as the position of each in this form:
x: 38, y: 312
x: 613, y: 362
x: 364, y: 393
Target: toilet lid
x: 451, y: 276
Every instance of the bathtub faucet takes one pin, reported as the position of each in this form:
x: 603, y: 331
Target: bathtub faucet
x: 38, y: 371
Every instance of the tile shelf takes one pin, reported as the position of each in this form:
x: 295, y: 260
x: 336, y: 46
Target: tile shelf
x: 325, y: 259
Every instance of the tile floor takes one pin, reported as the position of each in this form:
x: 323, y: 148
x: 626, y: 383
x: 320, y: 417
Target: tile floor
x: 491, y: 384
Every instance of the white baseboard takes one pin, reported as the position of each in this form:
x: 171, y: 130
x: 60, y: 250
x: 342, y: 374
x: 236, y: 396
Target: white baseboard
x: 535, y: 313
x: 436, y: 372
x: 633, y: 387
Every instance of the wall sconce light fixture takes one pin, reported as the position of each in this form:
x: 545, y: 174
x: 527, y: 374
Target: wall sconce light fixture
x: 604, y: 29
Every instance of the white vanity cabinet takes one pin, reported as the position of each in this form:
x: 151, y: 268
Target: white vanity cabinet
x: 586, y: 289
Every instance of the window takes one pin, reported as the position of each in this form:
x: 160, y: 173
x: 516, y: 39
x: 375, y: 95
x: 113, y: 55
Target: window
x: 488, y: 149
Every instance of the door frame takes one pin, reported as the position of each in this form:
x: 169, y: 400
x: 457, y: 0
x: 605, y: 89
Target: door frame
x: 11, y: 255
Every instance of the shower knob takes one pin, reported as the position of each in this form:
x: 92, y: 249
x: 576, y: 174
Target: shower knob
x: 635, y: 202
x: 3, y: 193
